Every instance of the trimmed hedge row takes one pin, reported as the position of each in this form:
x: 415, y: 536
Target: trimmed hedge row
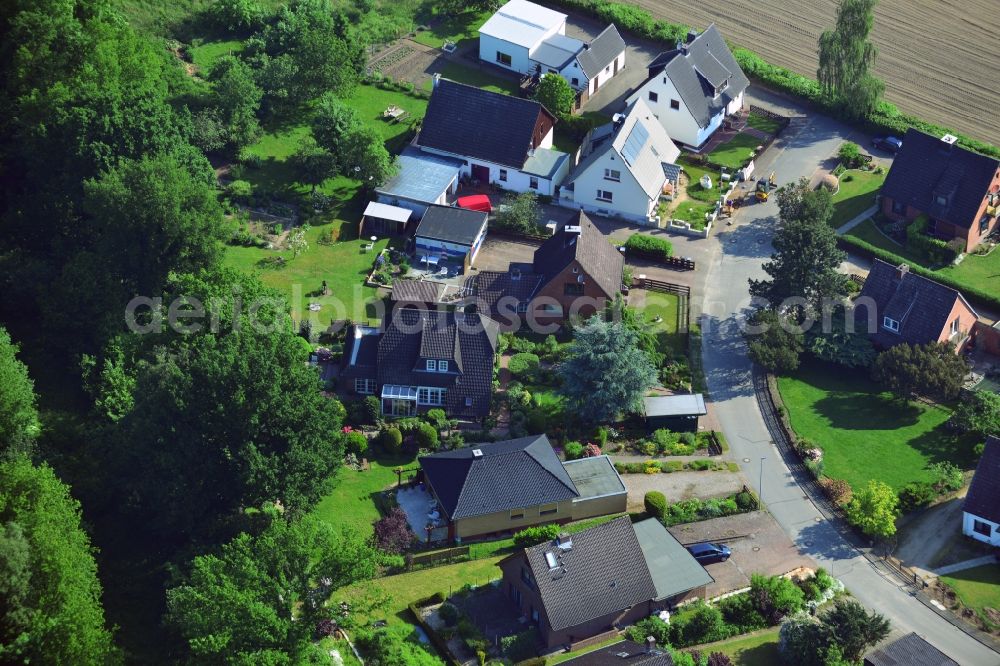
x: 650, y: 247
x: 981, y: 296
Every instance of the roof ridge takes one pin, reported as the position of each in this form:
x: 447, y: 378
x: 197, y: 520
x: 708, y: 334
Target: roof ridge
x: 527, y: 450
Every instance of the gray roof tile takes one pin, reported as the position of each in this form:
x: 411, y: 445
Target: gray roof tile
x: 416, y: 291
x: 601, y: 52
x: 598, y: 258
x: 983, y: 498
x: 910, y: 650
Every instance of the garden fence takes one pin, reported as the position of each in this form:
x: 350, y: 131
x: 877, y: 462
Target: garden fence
x: 683, y: 293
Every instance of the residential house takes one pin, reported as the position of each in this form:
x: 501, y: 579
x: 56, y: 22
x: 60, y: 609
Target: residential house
x: 575, y: 272
x: 499, y: 138
x: 624, y: 167
x: 422, y: 359
x: 601, y: 579
x: 896, y: 305
x: 421, y: 180
x: 910, y: 650
x: 625, y: 653
x: 679, y: 413
x: 503, y: 487
x: 956, y: 189
x: 449, y: 234
x: 981, y: 510
x: 693, y: 88
x: 530, y: 39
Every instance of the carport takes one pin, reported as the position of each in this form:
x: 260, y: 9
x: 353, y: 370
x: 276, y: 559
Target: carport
x: 383, y: 220
x: 679, y: 413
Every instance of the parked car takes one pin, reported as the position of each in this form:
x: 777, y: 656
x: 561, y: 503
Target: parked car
x: 889, y: 144
x: 707, y: 553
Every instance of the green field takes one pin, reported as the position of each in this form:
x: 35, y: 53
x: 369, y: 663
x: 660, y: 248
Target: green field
x: 978, y: 588
x: 474, y: 76
x: 856, y: 194
x: 693, y: 212
x: 866, y: 433
x: 736, y: 152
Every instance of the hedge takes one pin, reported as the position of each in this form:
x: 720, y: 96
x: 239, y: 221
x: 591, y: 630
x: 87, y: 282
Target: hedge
x: 655, y: 503
x: 522, y: 362
x: 982, y: 296
x: 651, y: 247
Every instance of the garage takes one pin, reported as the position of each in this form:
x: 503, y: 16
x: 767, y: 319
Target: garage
x: 449, y: 238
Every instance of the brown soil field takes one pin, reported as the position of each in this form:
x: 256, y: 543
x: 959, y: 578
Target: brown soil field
x: 939, y: 59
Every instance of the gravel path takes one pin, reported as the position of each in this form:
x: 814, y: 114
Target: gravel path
x: 678, y: 486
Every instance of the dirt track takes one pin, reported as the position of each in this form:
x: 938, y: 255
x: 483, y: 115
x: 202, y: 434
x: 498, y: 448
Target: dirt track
x: 940, y: 59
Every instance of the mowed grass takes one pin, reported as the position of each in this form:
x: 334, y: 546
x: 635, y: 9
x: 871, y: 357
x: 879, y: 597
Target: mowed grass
x: 667, y: 307
x: 760, y: 649
x: 474, y: 76
x: 868, y: 232
x: 205, y: 55
x: 736, y: 152
x: 763, y: 123
x: 459, y: 29
x: 865, y: 432
x: 693, y: 212
x: 856, y: 194
x: 978, y: 588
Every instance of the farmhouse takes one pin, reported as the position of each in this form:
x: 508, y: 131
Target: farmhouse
x: 450, y: 235
x: 421, y: 360
x: 693, y: 88
x: 600, y: 579
x: 530, y: 39
x: 575, y: 272
x: 421, y: 180
x: 981, y: 511
x: 897, y: 306
x: 507, y: 486
x: 954, y: 192
x: 499, y: 138
x: 624, y: 167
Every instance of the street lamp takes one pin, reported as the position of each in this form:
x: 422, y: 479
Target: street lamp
x: 760, y: 482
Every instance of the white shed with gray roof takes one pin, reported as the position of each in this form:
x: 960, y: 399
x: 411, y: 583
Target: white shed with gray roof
x: 679, y: 413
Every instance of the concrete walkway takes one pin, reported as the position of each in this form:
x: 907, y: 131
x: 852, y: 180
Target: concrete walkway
x: 968, y: 564
x: 847, y: 226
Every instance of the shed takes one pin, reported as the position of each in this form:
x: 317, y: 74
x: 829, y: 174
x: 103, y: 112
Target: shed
x: 422, y: 180
x: 675, y: 412
x: 383, y: 220
x: 450, y: 234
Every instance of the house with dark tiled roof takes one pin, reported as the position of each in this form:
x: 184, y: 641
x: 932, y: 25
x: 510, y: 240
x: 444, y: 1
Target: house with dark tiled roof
x: 499, y: 138
x: 574, y: 272
x: 896, y: 305
x: 423, y: 359
x: 624, y: 653
x: 981, y: 510
x: 954, y: 190
x: 600, y: 579
x: 530, y: 39
x: 910, y: 650
x: 625, y: 167
x: 693, y: 88
x: 503, y: 487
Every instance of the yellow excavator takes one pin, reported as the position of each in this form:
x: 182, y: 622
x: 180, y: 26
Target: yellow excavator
x: 764, y: 187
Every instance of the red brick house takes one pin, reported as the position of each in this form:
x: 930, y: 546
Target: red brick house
x: 958, y: 190
x: 600, y: 579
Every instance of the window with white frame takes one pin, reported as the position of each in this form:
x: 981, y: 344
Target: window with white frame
x: 442, y: 366
x: 430, y: 396
x: 431, y: 365
x: 364, y: 386
x: 954, y: 326
x: 613, y: 174
x: 890, y: 324
x: 604, y: 195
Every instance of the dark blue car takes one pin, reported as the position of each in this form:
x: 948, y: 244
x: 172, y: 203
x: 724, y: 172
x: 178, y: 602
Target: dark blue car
x: 889, y: 144
x: 707, y: 553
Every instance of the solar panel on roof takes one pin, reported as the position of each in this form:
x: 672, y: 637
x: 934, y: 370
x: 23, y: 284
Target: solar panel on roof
x: 633, y: 144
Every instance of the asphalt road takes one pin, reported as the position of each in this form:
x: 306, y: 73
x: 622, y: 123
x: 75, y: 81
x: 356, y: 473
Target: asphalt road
x: 743, y: 248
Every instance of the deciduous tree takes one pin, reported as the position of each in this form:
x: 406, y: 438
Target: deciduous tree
x: 874, y: 509
x: 238, y: 99
x: 979, y: 413
x: 933, y: 370
x: 846, y: 58
x: 555, y: 94
x: 312, y: 164
x: 18, y: 414
x: 853, y: 629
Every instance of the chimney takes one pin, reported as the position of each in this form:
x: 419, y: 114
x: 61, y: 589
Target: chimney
x: 949, y: 140
x: 901, y: 271
x: 564, y: 541
x: 650, y: 644
x: 436, y: 79
x: 692, y: 35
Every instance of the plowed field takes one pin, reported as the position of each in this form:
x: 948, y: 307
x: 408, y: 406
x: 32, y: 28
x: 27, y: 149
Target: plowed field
x: 940, y: 59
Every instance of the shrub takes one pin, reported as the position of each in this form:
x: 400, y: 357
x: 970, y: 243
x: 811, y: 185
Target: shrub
x: 746, y: 501
x: 240, y: 190
x: 393, y: 533
x: 591, y: 451
x: 651, y: 626
x: 915, y: 495
x: 355, y: 442
x: 372, y: 409
x: 391, y: 439
x: 436, y: 417
x: 573, y: 450
x: 655, y: 503
x: 837, y: 490
x: 522, y: 363
x: 448, y: 613
x: 701, y: 465
x: 947, y: 476
x: 672, y: 466
x: 650, y: 247
x: 850, y: 154
x: 602, y: 435
x: 701, y: 623
x: 775, y: 597
x: 687, y: 438
x: 532, y: 536
x: 739, y: 611
x: 427, y: 437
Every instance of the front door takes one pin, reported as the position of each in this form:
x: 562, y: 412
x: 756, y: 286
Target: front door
x: 616, y: 67
x: 597, y: 82
x: 481, y: 173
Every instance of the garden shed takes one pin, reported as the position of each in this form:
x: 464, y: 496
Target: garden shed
x: 383, y: 220
x: 678, y: 413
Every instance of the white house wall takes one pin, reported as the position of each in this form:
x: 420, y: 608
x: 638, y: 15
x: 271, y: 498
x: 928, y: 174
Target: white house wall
x: 628, y: 198
x: 520, y: 61
x: 679, y: 123
x: 517, y: 181
x: 968, y: 522
x: 606, y: 74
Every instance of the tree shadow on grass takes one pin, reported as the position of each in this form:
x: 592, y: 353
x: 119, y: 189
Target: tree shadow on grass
x: 942, y: 445
x: 866, y: 411
x: 759, y: 655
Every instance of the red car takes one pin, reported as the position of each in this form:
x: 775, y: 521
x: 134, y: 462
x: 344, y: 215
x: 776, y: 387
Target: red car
x: 479, y: 202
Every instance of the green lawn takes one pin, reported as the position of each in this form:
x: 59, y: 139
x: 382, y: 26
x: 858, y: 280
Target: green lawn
x: 458, y: 28
x: 760, y: 649
x: 856, y: 194
x: 764, y: 124
x: 694, y: 173
x: 736, y: 153
x: 865, y: 433
x: 666, y: 306
x: 207, y: 53
x: 474, y: 76
x: 978, y: 588
x: 560, y: 657
x: 567, y: 143
x: 693, y: 212
x: 867, y: 231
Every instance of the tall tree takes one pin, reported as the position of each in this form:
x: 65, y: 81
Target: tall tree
x: 806, y: 258
x: 18, y: 415
x: 50, y: 598
x: 846, y: 58
x: 312, y: 164
x: 255, y: 601
x: 238, y: 99
x: 933, y: 370
x: 606, y: 373
x: 357, y: 150
x: 853, y: 629
x: 979, y: 413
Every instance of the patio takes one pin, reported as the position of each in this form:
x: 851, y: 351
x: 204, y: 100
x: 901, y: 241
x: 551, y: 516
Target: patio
x: 421, y: 508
